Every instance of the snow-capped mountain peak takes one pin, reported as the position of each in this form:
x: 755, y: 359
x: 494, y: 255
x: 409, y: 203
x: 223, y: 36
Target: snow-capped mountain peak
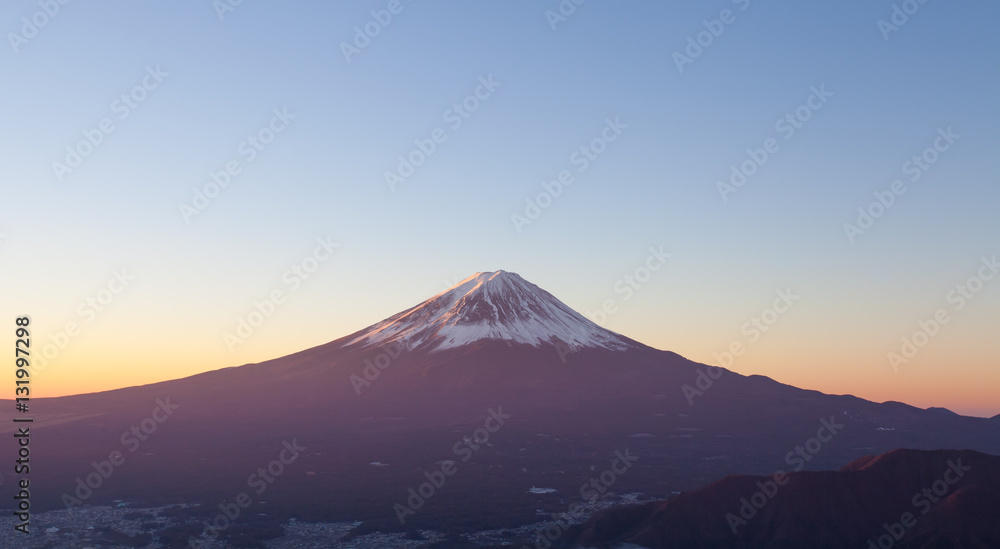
x: 497, y: 305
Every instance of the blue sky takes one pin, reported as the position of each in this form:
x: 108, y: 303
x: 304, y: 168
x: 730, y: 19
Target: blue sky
x: 654, y: 185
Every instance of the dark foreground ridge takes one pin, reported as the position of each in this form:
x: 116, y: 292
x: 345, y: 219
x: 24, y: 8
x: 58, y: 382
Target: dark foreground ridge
x: 906, y: 499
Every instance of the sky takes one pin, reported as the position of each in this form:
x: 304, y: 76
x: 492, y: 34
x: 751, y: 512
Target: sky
x: 172, y: 172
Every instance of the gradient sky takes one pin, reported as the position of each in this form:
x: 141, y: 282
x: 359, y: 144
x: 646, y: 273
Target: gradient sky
x: 655, y: 185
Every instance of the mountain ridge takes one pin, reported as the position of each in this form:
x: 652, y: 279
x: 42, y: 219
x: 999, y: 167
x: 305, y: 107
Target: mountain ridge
x: 904, y: 498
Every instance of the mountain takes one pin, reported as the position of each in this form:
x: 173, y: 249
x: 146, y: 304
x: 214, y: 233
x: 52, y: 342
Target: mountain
x: 499, y: 306
x: 527, y: 397
x: 910, y: 499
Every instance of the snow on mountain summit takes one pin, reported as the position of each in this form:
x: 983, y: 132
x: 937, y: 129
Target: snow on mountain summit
x: 496, y: 305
